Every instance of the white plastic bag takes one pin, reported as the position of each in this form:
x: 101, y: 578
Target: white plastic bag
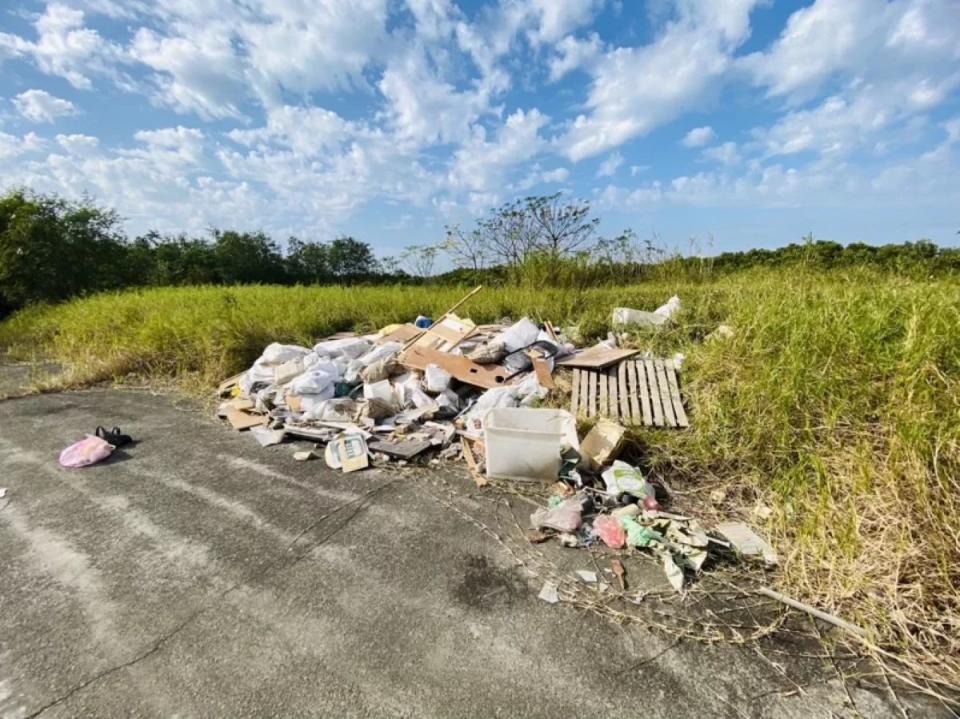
x: 276, y: 353
x: 518, y: 335
x: 437, y: 378
x: 318, y: 380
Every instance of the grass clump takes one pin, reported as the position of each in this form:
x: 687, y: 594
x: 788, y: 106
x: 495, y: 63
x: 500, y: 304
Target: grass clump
x: 836, y: 403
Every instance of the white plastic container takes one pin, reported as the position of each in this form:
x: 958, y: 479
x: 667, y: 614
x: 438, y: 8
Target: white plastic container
x: 525, y: 444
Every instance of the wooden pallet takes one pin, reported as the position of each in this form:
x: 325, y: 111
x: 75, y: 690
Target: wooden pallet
x: 632, y: 392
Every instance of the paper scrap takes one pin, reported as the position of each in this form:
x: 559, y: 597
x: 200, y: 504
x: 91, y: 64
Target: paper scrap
x: 587, y: 576
x: 549, y: 593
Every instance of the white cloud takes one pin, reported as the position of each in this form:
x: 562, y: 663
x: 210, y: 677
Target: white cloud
x: 609, y: 167
x: 83, y: 145
x: 305, y: 130
x: 557, y: 18
x: 860, y: 39
x: 65, y: 47
x: 424, y: 108
x: 699, y: 136
x: 41, y: 106
x: 630, y: 96
x: 573, y: 53
x: 303, y: 47
x: 725, y: 154
x: 193, y: 74
x: 482, y: 164
x: 13, y: 146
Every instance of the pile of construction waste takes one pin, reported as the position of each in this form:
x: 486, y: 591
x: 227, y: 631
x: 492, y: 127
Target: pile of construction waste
x: 448, y: 389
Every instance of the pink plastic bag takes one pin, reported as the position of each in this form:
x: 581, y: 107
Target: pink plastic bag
x: 610, y: 531
x: 88, y: 450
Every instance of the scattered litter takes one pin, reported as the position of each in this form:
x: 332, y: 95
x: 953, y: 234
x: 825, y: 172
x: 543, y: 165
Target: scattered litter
x: 746, y: 542
x: 602, y: 444
x: 549, y: 593
x: 624, y: 316
x: 3, y: 492
x: 425, y: 392
x: 267, y: 437
x: 620, y: 573
x: 348, y: 453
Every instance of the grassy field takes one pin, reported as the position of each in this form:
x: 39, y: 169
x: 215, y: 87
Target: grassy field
x: 836, y: 404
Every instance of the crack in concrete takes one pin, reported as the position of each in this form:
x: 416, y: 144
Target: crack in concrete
x: 275, y: 566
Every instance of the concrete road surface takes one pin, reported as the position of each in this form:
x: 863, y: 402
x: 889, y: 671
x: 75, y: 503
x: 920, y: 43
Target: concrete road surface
x: 198, y: 575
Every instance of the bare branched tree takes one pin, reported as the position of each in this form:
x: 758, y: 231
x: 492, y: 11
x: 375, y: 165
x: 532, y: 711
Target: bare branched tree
x: 420, y: 259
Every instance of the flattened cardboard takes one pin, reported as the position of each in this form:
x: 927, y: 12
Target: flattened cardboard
x: 542, y: 369
x: 446, y: 333
x: 242, y: 420
x: 602, y: 443
x: 402, y: 334
x: 463, y: 369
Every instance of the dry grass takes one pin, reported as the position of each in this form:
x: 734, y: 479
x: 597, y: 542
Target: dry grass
x: 836, y: 404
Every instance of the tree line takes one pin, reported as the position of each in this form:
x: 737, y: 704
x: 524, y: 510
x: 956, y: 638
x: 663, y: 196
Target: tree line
x: 52, y: 249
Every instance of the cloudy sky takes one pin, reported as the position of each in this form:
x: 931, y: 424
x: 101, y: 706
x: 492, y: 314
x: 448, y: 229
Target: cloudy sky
x: 741, y: 123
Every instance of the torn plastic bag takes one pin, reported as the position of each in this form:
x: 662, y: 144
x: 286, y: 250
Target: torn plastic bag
x: 518, y: 335
x: 448, y: 403
x: 350, y: 347
x: 384, y: 351
x: 670, y: 308
x: 342, y: 409
x: 437, y: 378
x: 87, y: 451
x: 380, y: 370
x: 621, y: 478
x: 564, y: 518
x: 522, y: 394
x: 318, y: 380
x: 638, y: 535
x: 276, y: 353
x: 610, y: 530
x: 413, y: 394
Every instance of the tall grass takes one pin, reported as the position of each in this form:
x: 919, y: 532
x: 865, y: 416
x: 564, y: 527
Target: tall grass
x: 836, y: 403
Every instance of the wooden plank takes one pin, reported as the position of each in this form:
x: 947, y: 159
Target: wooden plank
x: 635, y: 416
x: 643, y: 391
x: 664, y: 390
x: 624, y: 392
x: 603, y: 408
x: 591, y: 394
x: 597, y: 357
x: 575, y: 394
x: 584, y: 391
x: 655, y: 403
x: 614, y: 406
x: 678, y: 409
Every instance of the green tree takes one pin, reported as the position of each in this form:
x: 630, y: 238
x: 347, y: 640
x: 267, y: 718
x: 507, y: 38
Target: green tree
x: 308, y: 262
x: 245, y: 257
x: 350, y: 257
x: 51, y: 249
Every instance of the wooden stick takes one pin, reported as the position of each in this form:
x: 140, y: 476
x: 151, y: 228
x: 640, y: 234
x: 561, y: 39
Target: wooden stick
x: 470, y: 294
x: 812, y: 611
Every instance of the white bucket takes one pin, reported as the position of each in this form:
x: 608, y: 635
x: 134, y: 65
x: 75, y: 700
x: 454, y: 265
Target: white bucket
x: 525, y: 444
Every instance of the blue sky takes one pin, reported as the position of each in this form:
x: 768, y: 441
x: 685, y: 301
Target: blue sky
x: 739, y: 123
